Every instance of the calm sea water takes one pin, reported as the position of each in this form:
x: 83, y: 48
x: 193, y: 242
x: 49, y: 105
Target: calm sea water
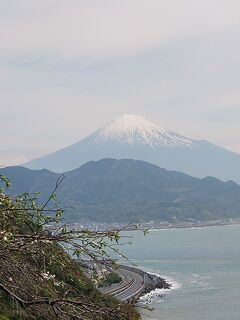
x: 204, y: 265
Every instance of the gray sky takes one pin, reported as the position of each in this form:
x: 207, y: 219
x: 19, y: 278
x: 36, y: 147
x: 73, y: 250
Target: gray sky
x: 67, y: 67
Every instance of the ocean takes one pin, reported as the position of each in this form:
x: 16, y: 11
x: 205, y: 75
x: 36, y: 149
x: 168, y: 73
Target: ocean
x: 203, y: 264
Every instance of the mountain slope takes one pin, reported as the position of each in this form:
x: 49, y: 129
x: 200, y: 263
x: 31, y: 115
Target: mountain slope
x: 133, y: 137
x: 131, y: 191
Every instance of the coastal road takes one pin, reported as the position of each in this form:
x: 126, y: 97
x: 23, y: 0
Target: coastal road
x: 131, y: 286
x: 134, y: 282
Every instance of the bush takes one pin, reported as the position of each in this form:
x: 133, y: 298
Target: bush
x: 109, y: 279
x: 3, y: 317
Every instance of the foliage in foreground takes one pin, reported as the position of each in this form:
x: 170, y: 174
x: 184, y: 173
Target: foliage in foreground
x: 38, y: 279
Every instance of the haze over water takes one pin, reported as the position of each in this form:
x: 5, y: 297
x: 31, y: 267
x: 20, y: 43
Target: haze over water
x: 204, y: 262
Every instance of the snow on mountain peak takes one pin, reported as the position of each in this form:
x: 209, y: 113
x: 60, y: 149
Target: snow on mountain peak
x: 133, y: 129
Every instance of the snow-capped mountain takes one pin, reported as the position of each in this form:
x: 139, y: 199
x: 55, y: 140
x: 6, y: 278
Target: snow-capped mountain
x: 136, y: 130
x: 133, y: 137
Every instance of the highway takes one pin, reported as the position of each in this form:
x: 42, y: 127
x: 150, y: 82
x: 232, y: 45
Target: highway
x: 130, y: 287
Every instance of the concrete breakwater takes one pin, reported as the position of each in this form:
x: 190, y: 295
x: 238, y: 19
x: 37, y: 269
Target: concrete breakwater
x: 149, y: 282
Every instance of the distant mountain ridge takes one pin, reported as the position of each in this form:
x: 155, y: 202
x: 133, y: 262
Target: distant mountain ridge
x: 133, y: 137
x: 113, y: 190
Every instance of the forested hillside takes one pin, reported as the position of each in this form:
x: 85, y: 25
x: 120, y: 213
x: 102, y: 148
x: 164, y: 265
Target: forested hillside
x: 131, y: 191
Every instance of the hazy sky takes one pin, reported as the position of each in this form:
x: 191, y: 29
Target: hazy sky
x: 68, y: 66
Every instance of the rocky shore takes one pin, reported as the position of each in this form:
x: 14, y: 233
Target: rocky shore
x: 154, y: 282
x: 150, y: 282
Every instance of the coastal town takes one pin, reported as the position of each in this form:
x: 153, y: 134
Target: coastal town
x: 151, y: 225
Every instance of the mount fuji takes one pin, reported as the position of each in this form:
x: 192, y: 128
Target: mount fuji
x: 134, y: 137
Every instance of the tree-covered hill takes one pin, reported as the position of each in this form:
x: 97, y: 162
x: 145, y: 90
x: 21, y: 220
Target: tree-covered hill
x: 132, y: 191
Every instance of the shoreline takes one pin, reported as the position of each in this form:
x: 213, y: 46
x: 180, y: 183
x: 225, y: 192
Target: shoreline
x: 158, y: 283
x: 159, y: 294
x: 150, y: 282
x: 135, y: 283
x: 182, y: 225
x: 160, y: 225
